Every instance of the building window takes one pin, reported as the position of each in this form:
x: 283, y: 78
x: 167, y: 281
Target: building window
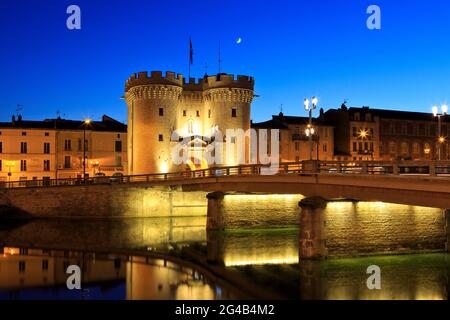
x: 47, y: 134
x: 360, y: 146
x: 23, y: 165
x: 0, y: 165
x: 184, y: 113
x: 233, y: 140
x: 46, y: 165
x: 118, y: 147
x: 405, y: 148
x: 46, y: 147
x: 324, y: 147
x: 1, y: 147
x: 161, y: 112
x: 234, y: 113
x: 23, y: 147
x: 44, y: 265
x: 198, y: 113
x: 209, y: 113
x: 68, y: 145
x: 22, y: 266
x: 354, y: 146
x: 67, y: 162
x: 357, y: 116
x: 24, y: 133
x: 416, y: 148
x: 160, y: 137
x: 392, y: 147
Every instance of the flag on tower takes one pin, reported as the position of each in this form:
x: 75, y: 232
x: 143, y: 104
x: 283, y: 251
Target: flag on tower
x: 191, y: 52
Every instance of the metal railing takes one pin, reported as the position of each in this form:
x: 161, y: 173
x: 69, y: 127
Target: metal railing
x: 429, y: 168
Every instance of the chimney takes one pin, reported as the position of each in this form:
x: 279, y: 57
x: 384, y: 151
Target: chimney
x: 19, y: 118
x: 13, y: 120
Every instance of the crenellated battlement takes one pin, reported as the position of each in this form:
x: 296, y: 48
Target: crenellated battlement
x: 208, y: 82
x: 154, y: 78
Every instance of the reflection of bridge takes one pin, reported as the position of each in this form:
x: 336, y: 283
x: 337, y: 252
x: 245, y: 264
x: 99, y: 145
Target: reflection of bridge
x: 409, y: 182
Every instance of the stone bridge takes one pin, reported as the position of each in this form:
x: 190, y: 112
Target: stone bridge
x: 411, y: 183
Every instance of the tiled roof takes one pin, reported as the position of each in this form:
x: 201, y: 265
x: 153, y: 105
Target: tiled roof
x: 107, y: 124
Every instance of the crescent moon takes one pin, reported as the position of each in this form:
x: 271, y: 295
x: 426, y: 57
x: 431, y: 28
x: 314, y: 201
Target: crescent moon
x: 239, y: 40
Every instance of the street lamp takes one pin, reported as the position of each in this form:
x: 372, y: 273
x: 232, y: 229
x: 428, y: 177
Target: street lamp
x: 441, y: 138
x: 86, y: 122
x: 310, y: 106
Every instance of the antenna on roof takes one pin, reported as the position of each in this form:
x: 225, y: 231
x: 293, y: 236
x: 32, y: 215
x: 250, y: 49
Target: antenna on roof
x: 58, y: 114
x: 220, y: 59
x: 281, y: 108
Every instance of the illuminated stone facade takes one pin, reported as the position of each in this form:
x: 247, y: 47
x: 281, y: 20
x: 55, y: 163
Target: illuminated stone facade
x: 162, y: 110
x: 53, y: 149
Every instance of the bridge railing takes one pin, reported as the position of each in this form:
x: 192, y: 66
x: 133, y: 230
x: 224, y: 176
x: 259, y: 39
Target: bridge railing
x: 431, y: 168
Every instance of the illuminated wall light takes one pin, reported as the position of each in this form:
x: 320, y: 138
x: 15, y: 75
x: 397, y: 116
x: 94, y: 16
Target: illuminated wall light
x: 339, y: 205
x: 263, y: 197
x: 288, y: 260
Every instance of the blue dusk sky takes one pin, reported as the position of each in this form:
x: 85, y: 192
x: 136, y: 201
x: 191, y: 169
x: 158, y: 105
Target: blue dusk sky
x: 294, y: 49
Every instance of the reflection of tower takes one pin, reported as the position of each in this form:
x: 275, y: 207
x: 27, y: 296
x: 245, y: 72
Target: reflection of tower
x: 159, y: 104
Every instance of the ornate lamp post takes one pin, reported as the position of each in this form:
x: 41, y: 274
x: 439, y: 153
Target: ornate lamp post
x: 309, y: 131
x: 441, y: 138
x: 85, y: 123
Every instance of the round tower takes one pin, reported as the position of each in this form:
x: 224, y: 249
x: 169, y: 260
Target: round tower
x: 229, y: 100
x: 153, y: 102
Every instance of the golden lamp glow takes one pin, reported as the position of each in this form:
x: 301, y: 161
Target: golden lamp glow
x: 363, y: 133
x: 441, y: 139
x: 87, y: 121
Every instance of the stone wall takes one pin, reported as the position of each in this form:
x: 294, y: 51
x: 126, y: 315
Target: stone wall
x: 106, y: 201
x: 372, y: 227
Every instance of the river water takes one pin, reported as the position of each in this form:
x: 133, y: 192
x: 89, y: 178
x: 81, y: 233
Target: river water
x: 175, y: 258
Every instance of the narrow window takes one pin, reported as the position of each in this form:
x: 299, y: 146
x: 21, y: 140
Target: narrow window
x: 67, y: 162
x: 160, y: 137
x: 118, y: 147
x: 46, y: 165
x: 198, y: 113
x: 161, y: 112
x: 23, y: 147
x: 68, y: 145
x: 209, y: 113
x: 184, y: 113
x: 234, y: 113
x: 23, y: 165
x: 46, y: 147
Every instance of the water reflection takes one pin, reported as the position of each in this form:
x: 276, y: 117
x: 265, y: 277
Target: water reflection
x: 41, y: 274
x: 175, y: 258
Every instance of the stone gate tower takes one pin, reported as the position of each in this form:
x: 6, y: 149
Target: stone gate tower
x: 160, y: 105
